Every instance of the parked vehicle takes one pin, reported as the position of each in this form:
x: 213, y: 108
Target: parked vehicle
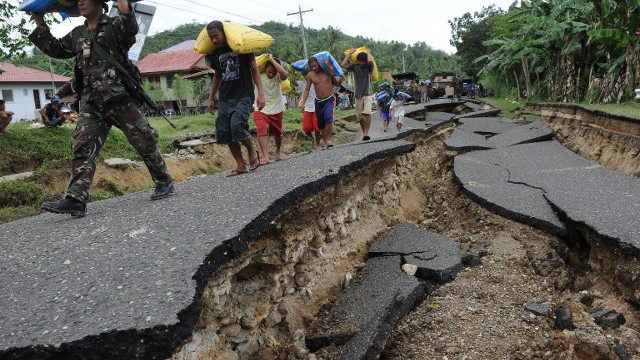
x: 441, y: 81
x: 407, y: 83
x: 170, y: 112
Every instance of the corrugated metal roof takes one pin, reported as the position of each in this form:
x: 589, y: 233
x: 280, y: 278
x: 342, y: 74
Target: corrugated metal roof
x: 185, y: 45
x: 175, y: 61
x: 21, y: 74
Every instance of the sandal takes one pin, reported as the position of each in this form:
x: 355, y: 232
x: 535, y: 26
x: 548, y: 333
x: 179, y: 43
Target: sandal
x: 236, y: 172
x: 255, y: 163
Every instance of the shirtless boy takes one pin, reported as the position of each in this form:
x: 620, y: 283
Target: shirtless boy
x: 325, y: 100
x: 5, y: 117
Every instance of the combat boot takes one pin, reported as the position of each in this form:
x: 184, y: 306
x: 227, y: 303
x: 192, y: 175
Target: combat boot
x: 162, y: 191
x: 68, y: 205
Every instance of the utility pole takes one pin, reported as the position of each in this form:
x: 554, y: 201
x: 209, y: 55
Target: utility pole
x: 304, y: 40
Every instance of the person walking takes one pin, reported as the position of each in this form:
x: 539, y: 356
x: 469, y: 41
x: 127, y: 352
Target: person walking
x: 268, y: 120
x: 325, y: 102
x: 397, y: 109
x: 364, y: 95
x: 309, y: 121
x: 234, y: 77
x: 104, y: 99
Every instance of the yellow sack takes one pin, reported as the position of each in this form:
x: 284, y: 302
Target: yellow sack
x: 241, y: 39
x: 375, y: 75
x: 285, y: 86
x: 261, y: 61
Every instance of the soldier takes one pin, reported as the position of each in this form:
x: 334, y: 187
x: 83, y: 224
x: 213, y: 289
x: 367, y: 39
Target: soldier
x: 104, y: 99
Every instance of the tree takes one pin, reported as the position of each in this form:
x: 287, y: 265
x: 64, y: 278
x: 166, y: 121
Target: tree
x: 13, y: 31
x: 468, y: 34
x: 180, y: 90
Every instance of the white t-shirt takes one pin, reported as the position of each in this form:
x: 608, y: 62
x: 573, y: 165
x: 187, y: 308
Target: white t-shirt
x: 273, y: 102
x: 309, y: 105
x: 398, y: 108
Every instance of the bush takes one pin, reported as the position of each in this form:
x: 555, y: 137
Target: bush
x: 20, y: 193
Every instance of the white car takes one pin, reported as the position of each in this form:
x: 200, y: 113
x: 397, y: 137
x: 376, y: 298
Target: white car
x: 169, y: 112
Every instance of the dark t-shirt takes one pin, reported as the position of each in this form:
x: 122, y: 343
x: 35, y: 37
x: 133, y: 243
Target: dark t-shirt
x: 363, y: 79
x: 51, y: 111
x: 237, y: 82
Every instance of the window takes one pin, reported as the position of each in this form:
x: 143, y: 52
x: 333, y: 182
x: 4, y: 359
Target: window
x: 48, y: 93
x: 7, y: 95
x: 169, y: 81
x: 36, y: 98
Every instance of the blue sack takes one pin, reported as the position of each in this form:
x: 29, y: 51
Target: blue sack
x: 405, y: 95
x: 64, y: 7
x: 301, y: 65
x: 329, y: 64
x: 382, y: 96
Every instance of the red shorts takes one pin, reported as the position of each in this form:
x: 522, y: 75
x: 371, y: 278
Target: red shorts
x: 309, y: 122
x: 268, y: 124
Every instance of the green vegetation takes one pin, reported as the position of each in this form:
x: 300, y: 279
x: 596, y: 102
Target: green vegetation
x: 20, y: 193
x: 554, y: 50
x: 48, y: 151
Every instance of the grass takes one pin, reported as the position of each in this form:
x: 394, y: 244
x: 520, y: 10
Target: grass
x: 511, y: 108
x: 45, y: 150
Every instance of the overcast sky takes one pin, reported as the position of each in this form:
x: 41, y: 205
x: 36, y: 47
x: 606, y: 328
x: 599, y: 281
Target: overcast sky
x: 407, y: 21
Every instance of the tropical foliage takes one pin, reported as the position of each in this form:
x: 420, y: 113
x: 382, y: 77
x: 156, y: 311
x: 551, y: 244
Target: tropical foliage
x: 562, y: 50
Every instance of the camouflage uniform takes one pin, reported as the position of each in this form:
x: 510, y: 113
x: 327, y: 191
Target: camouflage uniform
x: 105, y: 101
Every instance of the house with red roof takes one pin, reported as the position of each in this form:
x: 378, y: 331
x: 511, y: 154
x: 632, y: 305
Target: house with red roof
x: 26, y: 90
x: 160, y: 70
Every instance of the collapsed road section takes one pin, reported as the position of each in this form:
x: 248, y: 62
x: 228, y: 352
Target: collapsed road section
x: 251, y: 267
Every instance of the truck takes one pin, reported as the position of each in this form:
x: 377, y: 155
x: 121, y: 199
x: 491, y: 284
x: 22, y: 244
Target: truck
x: 405, y: 82
x: 441, y: 81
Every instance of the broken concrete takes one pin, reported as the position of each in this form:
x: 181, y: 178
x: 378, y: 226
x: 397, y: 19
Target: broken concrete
x: 475, y: 136
x: 479, y: 113
x: 124, y: 280
x: 489, y: 183
x: 362, y: 317
x: 523, y: 134
x: 437, y: 257
x: 486, y: 125
x: 380, y: 295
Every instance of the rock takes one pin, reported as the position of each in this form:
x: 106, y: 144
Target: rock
x: 471, y: 260
x: 410, y: 269
x: 539, y: 308
x: 585, y: 298
x: 609, y: 318
x: 621, y: 351
x: 564, y: 319
x: 591, y: 344
x: 119, y: 163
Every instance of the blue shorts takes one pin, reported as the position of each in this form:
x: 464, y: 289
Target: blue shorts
x: 324, y: 111
x: 385, y: 116
x: 233, y: 120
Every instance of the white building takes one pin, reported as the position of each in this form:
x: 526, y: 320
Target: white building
x: 26, y: 90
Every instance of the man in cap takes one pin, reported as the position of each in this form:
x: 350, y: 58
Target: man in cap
x: 105, y: 100
x: 51, y: 113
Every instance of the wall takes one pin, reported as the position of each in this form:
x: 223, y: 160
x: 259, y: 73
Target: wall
x: 23, y: 105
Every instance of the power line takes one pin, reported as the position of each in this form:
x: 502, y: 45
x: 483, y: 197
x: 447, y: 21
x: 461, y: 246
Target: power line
x: 223, y: 11
x: 304, y: 40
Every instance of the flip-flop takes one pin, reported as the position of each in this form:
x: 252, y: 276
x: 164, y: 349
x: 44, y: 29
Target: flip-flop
x: 236, y: 172
x: 256, y: 161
